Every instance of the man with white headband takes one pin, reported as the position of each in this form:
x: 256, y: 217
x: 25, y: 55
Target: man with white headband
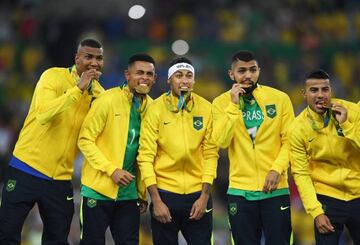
x: 178, y: 161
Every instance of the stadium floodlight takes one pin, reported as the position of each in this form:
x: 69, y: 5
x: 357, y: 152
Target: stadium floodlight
x: 136, y: 12
x: 180, y: 47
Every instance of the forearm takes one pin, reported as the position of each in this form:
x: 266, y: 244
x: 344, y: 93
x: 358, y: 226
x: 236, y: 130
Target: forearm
x: 154, y: 194
x: 47, y: 109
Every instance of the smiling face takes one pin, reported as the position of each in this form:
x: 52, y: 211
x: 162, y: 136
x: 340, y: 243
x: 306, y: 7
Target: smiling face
x: 140, y: 76
x: 244, y: 73
x: 89, y: 58
x: 181, y: 80
x: 317, y: 93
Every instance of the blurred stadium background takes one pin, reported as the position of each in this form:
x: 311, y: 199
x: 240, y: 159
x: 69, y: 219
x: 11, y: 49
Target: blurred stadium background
x: 289, y: 37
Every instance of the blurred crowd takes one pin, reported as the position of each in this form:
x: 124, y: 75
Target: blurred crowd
x: 290, y: 37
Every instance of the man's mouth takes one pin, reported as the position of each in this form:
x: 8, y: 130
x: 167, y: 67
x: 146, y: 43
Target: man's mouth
x: 321, y: 104
x: 142, y: 88
x: 185, y: 89
x: 246, y: 84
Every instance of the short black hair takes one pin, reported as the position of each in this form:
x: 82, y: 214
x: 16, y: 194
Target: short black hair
x: 141, y: 57
x: 243, y: 55
x: 317, y: 74
x: 89, y: 42
x: 178, y: 60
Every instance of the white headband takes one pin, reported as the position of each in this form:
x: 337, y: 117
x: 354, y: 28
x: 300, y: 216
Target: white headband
x: 180, y: 66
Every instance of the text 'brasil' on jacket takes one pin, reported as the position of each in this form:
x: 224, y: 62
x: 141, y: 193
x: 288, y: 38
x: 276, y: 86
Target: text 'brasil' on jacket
x: 251, y: 161
x: 47, y: 141
x: 176, y: 151
x: 103, y: 140
x: 324, y: 162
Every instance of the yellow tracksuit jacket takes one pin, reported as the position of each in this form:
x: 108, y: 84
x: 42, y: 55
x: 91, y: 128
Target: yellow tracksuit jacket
x: 47, y: 141
x: 323, y: 162
x: 103, y: 140
x: 250, y: 162
x: 176, y: 151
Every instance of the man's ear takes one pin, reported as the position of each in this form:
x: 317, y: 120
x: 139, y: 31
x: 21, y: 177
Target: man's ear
x: 127, y: 75
x: 231, y: 75
x: 76, y: 58
x: 303, y: 92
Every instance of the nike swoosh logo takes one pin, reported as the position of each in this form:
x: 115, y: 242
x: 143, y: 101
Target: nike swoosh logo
x: 69, y: 198
x: 311, y: 139
x: 208, y: 210
x: 166, y: 123
x: 284, y: 208
x: 117, y: 114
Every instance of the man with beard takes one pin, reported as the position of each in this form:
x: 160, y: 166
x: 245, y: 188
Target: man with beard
x: 252, y: 121
x: 325, y: 160
x: 178, y: 160
x: 112, y: 194
x: 41, y: 169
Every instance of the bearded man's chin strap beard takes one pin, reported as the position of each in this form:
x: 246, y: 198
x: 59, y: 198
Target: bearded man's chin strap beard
x: 249, y: 90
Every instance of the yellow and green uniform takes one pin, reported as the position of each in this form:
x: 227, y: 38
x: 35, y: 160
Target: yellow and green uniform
x: 255, y: 133
x: 109, y: 140
x: 47, y: 141
x: 128, y: 192
x: 176, y: 154
x: 253, y: 118
x: 251, y: 160
x: 176, y: 151
x: 325, y: 156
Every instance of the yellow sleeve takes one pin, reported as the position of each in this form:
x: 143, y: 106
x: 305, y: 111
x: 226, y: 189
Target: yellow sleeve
x: 92, y: 127
x: 210, y: 154
x: 351, y: 127
x: 149, y: 134
x: 281, y: 163
x: 48, y: 104
x: 141, y: 188
x: 301, y: 173
x: 224, y: 122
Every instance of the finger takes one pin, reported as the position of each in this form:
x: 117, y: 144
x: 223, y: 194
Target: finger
x: 195, y: 213
x: 329, y: 226
x: 128, y: 178
x: 168, y: 215
x: 124, y: 180
x: 193, y: 208
x: 266, y: 186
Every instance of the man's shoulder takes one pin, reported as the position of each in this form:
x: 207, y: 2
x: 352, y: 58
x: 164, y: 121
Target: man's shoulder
x: 57, y: 70
x: 271, y: 91
x: 201, y: 100
x: 299, y: 122
x: 108, y: 95
x: 222, y: 98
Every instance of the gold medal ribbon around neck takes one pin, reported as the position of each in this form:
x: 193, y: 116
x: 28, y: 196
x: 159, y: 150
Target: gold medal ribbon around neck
x: 172, y: 103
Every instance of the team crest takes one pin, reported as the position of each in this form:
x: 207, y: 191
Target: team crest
x: 198, y: 123
x: 270, y: 110
x: 91, y: 202
x: 232, y: 208
x: 10, y: 186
